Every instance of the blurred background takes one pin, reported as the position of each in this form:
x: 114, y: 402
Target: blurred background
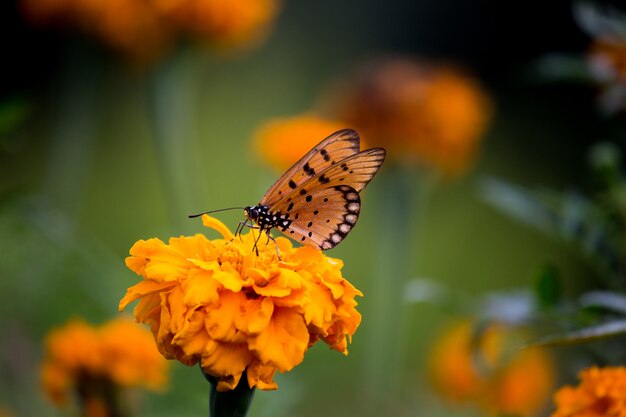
x: 102, y: 145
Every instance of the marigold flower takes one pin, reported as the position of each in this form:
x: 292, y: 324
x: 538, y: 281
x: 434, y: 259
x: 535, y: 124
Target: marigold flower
x: 118, y: 352
x: 132, y: 27
x: 145, y: 29
x: 223, y: 23
x: 282, y: 141
x: 601, y: 393
x: 219, y: 303
x: 421, y: 112
x: 466, y: 368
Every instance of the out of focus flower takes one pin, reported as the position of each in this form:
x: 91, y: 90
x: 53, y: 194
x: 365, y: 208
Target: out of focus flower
x: 223, y: 23
x: 601, y: 393
x: 607, y: 65
x: 421, y: 112
x: 606, y: 55
x: 144, y: 29
x: 281, y: 142
x: 92, y: 361
x: 219, y: 303
x: 132, y: 27
x: 468, y: 366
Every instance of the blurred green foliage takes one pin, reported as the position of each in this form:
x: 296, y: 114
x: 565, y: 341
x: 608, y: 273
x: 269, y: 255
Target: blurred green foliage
x: 103, y: 155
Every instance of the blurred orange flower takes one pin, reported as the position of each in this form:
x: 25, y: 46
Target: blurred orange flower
x: 144, y: 29
x: 421, y: 112
x: 466, y: 367
x: 130, y: 26
x: 607, y: 59
x: 79, y: 357
x: 223, y: 23
x: 219, y: 303
x: 601, y: 393
x: 282, y: 141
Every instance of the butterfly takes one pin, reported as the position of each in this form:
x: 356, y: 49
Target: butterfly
x: 316, y: 202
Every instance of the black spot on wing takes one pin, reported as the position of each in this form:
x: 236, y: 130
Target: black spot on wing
x: 292, y: 184
x: 308, y: 170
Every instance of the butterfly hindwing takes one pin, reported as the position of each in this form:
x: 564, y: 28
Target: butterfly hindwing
x: 322, y: 218
x: 334, y: 148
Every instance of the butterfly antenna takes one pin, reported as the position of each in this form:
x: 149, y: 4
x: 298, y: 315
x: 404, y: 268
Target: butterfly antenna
x: 191, y: 216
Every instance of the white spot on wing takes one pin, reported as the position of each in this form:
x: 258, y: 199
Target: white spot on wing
x: 344, y: 228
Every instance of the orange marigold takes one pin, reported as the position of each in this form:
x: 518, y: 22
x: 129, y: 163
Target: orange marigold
x: 145, y: 29
x: 466, y: 367
x: 282, y: 141
x: 223, y: 23
x: 420, y: 112
x: 132, y: 27
x: 118, y: 352
x: 219, y: 303
x: 601, y: 393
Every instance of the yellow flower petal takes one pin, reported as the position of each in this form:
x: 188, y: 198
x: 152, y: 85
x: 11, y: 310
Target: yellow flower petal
x: 227, y: 359
x: 219, y: 322
x: 201, y: 289
x: 218, y: 226
x: 283, y: 343
x: 257, y: 316
x: 261, y: 376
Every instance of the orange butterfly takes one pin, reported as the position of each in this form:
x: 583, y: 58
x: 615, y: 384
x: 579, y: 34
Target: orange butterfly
x: 317, y: 202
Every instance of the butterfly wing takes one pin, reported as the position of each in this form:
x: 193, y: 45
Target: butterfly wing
x: 323, y: 210
x: 327, y: 219
x: 335, y: 147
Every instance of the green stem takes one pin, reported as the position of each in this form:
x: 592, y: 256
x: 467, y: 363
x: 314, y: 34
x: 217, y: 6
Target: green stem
x: 234, y: 403
x: 101, y: 390
x: 399, y: 210
x: 172, y: 103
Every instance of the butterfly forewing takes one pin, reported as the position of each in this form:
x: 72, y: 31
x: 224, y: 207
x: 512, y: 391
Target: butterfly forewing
x: 328, y: 152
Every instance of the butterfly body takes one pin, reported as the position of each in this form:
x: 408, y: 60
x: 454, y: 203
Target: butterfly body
x: 317, y: 202
x: 265, y: 219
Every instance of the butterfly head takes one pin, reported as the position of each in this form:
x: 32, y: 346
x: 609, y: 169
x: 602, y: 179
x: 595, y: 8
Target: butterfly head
x: 251, y: 212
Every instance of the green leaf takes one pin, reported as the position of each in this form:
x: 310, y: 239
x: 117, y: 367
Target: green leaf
x: 12, y: 113
x: 589, y: 334
x: 548, y: 286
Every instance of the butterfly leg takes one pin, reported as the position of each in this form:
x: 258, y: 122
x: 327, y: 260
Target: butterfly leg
x: 270, y: 237
x: 256, y: 241
x: 240, y: 227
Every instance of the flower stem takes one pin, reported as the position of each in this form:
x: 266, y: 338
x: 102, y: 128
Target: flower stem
x: 399, y: 210
x: 234, y: 403
x: 172, y: 96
